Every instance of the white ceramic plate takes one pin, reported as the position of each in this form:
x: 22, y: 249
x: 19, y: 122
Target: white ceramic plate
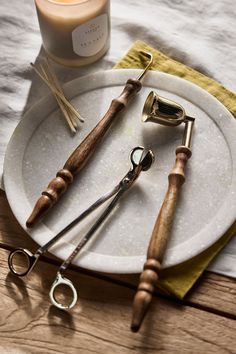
x: 41, y: 144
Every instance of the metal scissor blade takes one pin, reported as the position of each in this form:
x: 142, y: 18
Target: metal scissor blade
x: 141, y: 159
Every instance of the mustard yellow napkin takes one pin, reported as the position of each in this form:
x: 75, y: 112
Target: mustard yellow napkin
x: 178, y: 280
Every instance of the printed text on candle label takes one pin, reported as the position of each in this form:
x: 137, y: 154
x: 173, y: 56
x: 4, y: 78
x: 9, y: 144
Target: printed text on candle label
x: 88, y: 39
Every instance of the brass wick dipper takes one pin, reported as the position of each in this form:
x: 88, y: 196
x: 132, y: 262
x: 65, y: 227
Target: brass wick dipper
x: 163, y: 111
x: 80, y: 155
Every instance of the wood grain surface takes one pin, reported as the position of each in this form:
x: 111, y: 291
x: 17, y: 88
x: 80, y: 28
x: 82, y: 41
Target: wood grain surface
x: 203, y: 323
x: 100, y: 323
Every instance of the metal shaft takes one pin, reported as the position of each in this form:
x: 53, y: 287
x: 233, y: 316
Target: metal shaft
x: 188, y: 131
x: 82, y: 216
x: 91, y: 231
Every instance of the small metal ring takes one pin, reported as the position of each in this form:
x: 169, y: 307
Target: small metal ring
x: 134, y: 161
x: 58, y: 281
x: 27, y: 254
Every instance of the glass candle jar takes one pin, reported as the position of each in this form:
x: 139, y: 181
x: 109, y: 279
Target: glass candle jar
x: 74, y: 32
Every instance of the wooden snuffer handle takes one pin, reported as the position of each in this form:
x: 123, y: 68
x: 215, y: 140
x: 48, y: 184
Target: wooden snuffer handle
x: 159, y: 238
x: 81, y: 154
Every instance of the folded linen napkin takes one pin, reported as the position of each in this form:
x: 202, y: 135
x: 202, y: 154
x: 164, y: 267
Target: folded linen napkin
x: 179, y: 279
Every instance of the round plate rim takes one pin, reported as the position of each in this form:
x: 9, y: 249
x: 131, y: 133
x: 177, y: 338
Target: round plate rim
x: 134, y: 264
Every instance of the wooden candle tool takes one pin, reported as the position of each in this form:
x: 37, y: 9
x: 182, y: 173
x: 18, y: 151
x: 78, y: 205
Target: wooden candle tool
x: 163, y: 111
x: 81, y: 154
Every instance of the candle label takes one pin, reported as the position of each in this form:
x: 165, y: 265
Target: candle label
x: 89, y: 38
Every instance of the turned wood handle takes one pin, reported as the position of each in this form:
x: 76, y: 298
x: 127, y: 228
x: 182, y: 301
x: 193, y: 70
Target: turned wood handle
x: 159, y: 238
x: 81, y: 154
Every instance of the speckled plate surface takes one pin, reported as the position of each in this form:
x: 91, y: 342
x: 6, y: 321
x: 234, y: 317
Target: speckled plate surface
x: 207, y: 207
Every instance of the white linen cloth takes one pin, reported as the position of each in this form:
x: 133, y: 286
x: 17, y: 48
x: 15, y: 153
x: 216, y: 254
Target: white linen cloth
x: 201, y: 34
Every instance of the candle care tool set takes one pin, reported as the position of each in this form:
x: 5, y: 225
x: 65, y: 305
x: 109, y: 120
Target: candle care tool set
x: 156, y: 109
x: 115, y: 239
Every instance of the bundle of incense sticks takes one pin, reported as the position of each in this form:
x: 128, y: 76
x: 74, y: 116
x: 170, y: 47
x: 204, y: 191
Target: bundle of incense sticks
x: 46, y: 73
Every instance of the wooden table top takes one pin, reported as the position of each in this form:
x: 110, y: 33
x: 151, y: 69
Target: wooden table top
x: 203, y: 323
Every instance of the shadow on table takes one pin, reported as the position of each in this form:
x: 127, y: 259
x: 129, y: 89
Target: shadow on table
x: 18, y: 291
x: 57, y: 317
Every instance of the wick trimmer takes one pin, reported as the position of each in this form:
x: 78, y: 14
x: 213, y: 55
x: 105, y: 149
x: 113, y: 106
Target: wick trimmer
x: 141, y: 160
x: 166, y: 112
x: 79, y: 157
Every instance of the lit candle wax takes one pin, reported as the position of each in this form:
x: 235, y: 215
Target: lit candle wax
x: 74, y: 32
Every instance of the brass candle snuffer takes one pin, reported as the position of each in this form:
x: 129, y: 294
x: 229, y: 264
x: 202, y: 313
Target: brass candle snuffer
x: 141, y: 160
x: 166, y: 112
x: 79, y: 157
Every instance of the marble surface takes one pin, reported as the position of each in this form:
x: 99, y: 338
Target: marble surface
x: 200, y: 34
x: 120, y: 244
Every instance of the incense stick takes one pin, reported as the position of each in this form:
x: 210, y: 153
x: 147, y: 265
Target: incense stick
x: 71, y: 115
x: 61, y: 105
x: 59, y: 88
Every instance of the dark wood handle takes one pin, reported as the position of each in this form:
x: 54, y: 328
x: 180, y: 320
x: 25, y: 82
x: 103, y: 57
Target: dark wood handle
x: 81, y: 154
x: 159, y: 238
